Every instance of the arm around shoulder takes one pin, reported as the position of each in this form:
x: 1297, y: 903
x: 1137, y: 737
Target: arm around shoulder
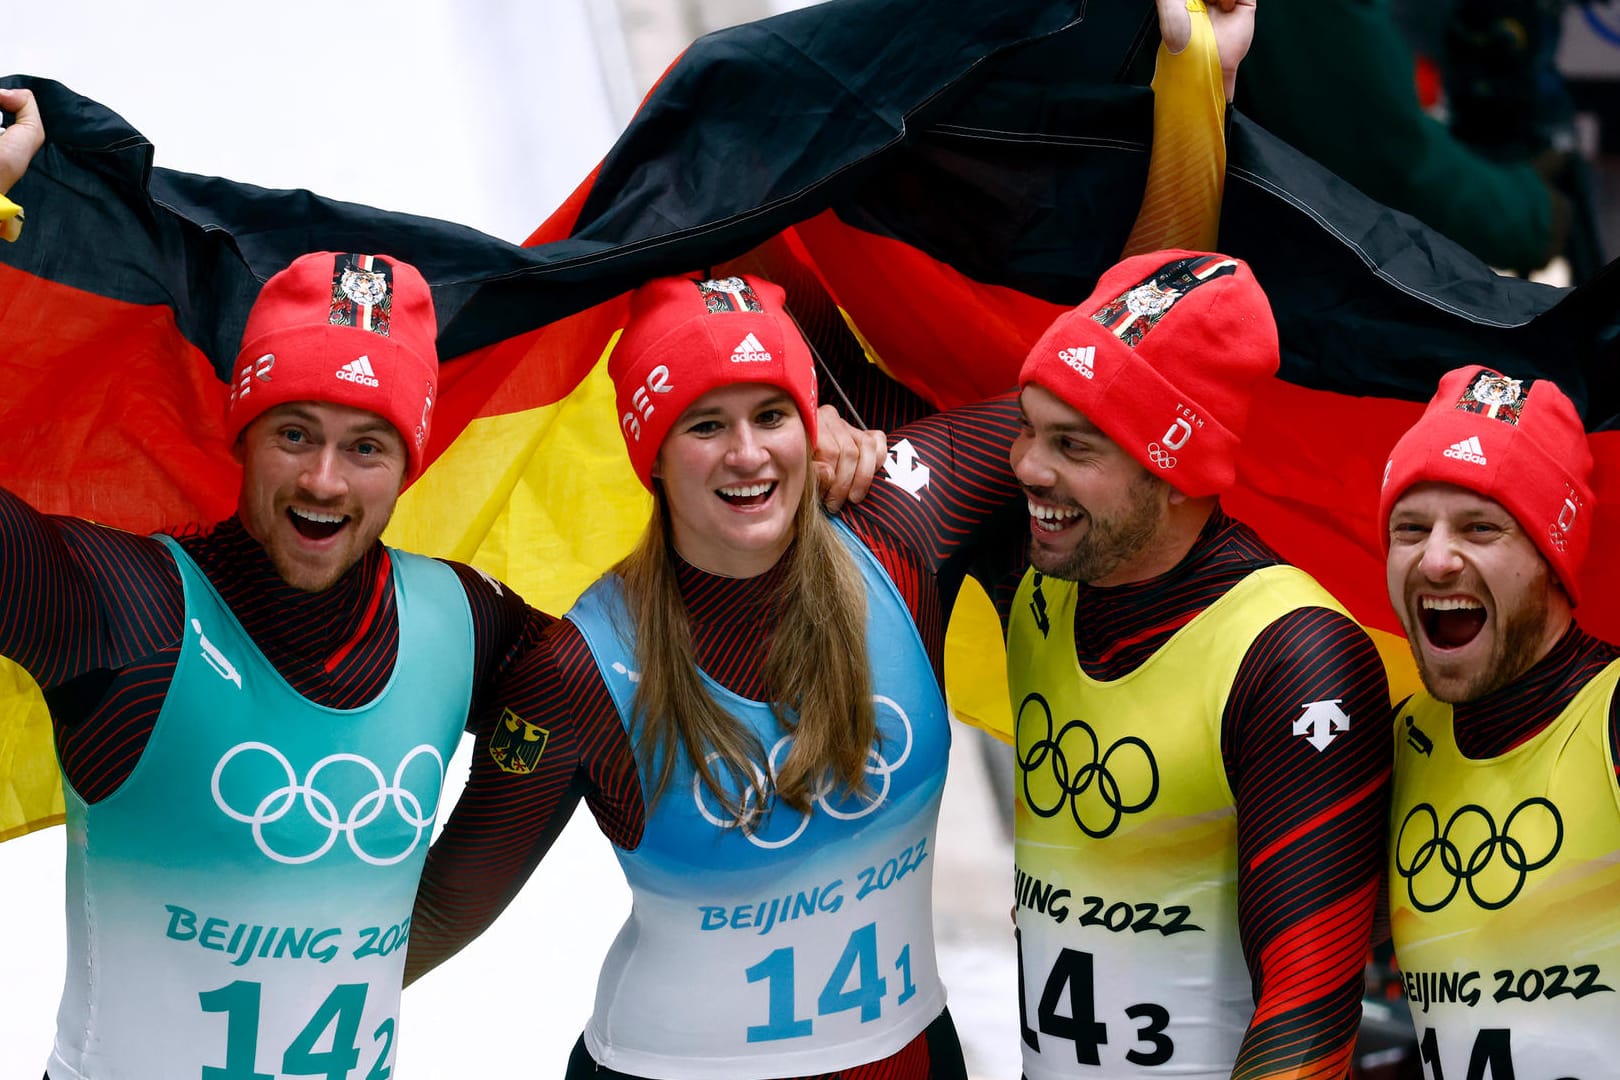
x: 546, y: 746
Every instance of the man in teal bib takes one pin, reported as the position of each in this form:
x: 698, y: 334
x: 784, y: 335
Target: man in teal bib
x: 253, y: 723
x: 253, y: 720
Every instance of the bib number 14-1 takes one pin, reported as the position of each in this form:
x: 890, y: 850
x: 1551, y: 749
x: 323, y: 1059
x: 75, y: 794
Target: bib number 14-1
x: 855, y: 983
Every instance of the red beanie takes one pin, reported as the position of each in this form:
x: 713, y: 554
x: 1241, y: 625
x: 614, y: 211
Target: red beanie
x: 685, y: 337
x: 1164, y: 357
x: 1526, y: 449
x: 352, y: 330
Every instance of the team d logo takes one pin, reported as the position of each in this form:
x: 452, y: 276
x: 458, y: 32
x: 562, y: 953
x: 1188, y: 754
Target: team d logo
x: 517, y: 744
x: 1558, y: 533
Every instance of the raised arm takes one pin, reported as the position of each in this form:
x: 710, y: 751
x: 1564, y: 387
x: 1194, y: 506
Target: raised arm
x: 1192, y: 84
x: 79, y: 598
x: 1306, y: 746
x: 20, y: 140
x: 1231, y: 24
x: 76, y: 598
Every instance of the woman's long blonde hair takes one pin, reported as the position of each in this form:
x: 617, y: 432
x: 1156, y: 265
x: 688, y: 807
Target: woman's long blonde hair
x: 817, y: 674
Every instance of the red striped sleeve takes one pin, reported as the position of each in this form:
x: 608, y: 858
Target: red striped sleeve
x: 77, y: 598
x: 969, y: 489
x: 1311, y: 835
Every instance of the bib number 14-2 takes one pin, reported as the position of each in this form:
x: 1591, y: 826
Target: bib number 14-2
x: 340, y: 1013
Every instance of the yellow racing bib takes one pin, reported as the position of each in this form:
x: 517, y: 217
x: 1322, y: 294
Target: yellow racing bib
x: 1504, y: 878
x: 1126, y: 839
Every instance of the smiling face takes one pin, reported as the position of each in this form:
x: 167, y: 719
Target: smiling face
x: 1095, y: 514
x: 1477, y: 600
x: 733, y: 469
x: 319, y: 483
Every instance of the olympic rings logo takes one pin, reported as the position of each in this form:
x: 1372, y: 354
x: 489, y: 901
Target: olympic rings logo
x: 877, y: 765
x: 1160, y: 456
x: 322, y: 809
x: 1474, y: 824
x: 1074, y: 765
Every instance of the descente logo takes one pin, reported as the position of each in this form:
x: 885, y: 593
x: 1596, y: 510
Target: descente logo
x: 358, y: 371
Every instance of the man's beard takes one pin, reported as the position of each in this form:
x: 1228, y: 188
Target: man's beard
x: 1110, y: 542
x: 1514, y: 655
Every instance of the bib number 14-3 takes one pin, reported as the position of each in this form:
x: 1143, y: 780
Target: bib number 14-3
x: 1071, y: 986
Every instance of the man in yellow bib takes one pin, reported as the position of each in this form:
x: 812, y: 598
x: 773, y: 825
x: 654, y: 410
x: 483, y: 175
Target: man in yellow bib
x: 1504, y: 855
x: 1201, y: 779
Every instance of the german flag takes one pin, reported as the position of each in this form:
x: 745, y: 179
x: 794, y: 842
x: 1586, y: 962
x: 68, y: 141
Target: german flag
x: 946, y: 178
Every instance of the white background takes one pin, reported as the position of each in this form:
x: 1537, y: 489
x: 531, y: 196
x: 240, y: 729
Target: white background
x: 488, y: 114
x: 485, y: 113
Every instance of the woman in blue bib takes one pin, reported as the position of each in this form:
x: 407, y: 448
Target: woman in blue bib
x: 784, y: 873
x: 750, y: 704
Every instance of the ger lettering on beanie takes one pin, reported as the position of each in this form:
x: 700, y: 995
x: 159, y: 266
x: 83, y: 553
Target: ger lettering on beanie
x: 345, y: 329
x: 1525, y: 448
x: 685, y: 337
x: 1164, y: 357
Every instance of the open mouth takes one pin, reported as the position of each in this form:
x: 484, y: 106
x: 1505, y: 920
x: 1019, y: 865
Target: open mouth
x: 314, y: 524
x: 1052, y: 519
x: 745, y: 495
x: 1450, y: 622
